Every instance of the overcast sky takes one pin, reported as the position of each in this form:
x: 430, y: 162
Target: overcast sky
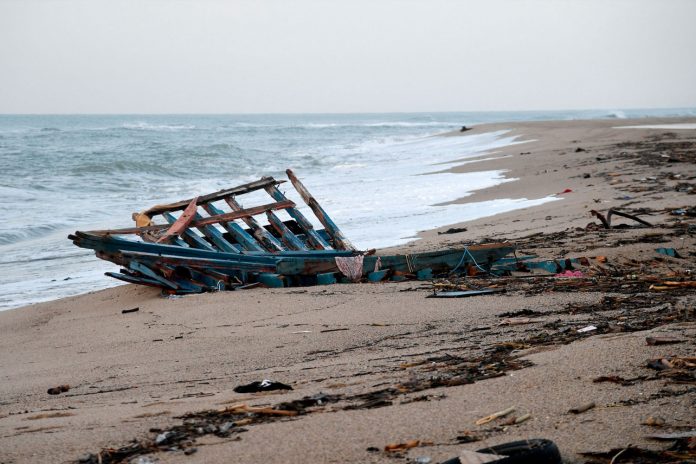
x: 215, y: 56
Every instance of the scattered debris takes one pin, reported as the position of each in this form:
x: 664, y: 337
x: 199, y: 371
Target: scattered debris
x: 132, y: 310
x: 589, y: 328
x: 583, y: 408
x: 532, y: 451
x: 682, y: 451
x: 654, y: 421
x: 453, y: 230
x: 606, y: 221
x: 495, y: 415
x: 467, y: 293
x: 652, y: 341
x: 58, y: 390
x: 262, y: 386
x: 392, y: 447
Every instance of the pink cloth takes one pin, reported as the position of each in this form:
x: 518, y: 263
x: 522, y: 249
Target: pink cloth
x: 351, y: 266
x: 570, y: 274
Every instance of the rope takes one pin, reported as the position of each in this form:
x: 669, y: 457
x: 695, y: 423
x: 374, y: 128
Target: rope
x: 409, y: 264
x: 467, y: 252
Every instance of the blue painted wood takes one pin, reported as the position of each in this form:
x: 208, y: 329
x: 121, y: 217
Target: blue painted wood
x: 111, y: 244
x: 326, y: 279
x: 202, y: 264
x: 271, y: 280
x: 287, y: 237
x: 377, y: 276
x: 240, y: 235
x: 198, y: 279
x: 316, y: 240
x: 216, y: 237
x: 438, y: 261
x: 141, y: 268
x: 189, y: 236
x: 264, y: 237
x: 466, y: 293
x: 132, y: 279
x: 340, y: 240
x: 424, y: 274
x: 668, y: 252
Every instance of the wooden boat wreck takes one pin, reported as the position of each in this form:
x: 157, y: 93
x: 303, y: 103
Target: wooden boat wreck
x: 212, y: 243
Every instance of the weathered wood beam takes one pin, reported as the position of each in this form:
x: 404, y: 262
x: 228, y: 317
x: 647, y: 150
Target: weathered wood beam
x: 262, y: 235
x: 238, y: 214
x: 315, y: 240
x: 289, y: 239
x: 339, y: 239
x: 219, y: 195
x: 240, y: 235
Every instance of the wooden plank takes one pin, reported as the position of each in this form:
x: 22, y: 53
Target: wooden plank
x: 188, y: 235
x: 262, y: 235
x: 238, y: 214
x: 340, y: 240
x: 131, y: 279
x: 219, y: 195
x: 111, y: 244
x: 289, y: 239
x: 314, y: 239
x: 216, y: 237
x: 147, y: 272
x: 240, y: 235
x: 180, y: 225
x: 219, y: 265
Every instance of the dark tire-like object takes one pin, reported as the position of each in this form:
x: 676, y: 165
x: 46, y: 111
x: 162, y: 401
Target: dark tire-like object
x: 535, y: 451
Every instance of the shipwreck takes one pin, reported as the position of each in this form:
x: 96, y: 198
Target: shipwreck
x: 212, y: 243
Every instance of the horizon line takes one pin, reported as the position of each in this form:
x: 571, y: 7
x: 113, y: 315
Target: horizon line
x: 318, y: 113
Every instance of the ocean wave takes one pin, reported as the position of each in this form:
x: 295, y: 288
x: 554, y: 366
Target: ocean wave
x: 11, y: 194
x: 376, y: 124
x: 146, y: 126
x: 26, y: 233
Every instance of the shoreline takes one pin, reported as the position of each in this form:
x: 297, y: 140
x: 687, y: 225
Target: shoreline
x: 133, y: 372
x: 499, y: 159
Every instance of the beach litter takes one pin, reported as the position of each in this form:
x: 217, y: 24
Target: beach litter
x: 531, y: 451
x: 58, y: 390
x: 263, y: 386
x: 606, y: 220
x: 395, y: 447
x: 583, y: 408
x: 465, y: 293
x: 682, y: 450
x: 495, y: 415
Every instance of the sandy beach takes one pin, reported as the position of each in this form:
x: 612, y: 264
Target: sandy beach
x: 380, y: 364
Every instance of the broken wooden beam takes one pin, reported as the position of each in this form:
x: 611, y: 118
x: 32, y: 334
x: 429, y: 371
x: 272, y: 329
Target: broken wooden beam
x: 340, y: 240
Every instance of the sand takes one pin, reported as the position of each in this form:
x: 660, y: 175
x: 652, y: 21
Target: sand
x: 130, y: 373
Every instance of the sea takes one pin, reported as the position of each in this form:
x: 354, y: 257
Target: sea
x: 382, y: 177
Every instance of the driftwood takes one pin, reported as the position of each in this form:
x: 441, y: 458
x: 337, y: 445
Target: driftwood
x: 606, y: 221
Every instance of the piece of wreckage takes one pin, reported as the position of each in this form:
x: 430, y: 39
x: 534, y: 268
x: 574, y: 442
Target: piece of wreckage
x: 199, y: 246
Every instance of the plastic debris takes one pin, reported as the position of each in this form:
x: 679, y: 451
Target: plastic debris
x: 262, y: 386
x: 589, y: 328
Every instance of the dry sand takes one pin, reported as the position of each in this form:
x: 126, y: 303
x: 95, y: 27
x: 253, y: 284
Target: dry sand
x: 130, y: 373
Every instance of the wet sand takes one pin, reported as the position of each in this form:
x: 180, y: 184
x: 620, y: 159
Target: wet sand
x: 133, y: 375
